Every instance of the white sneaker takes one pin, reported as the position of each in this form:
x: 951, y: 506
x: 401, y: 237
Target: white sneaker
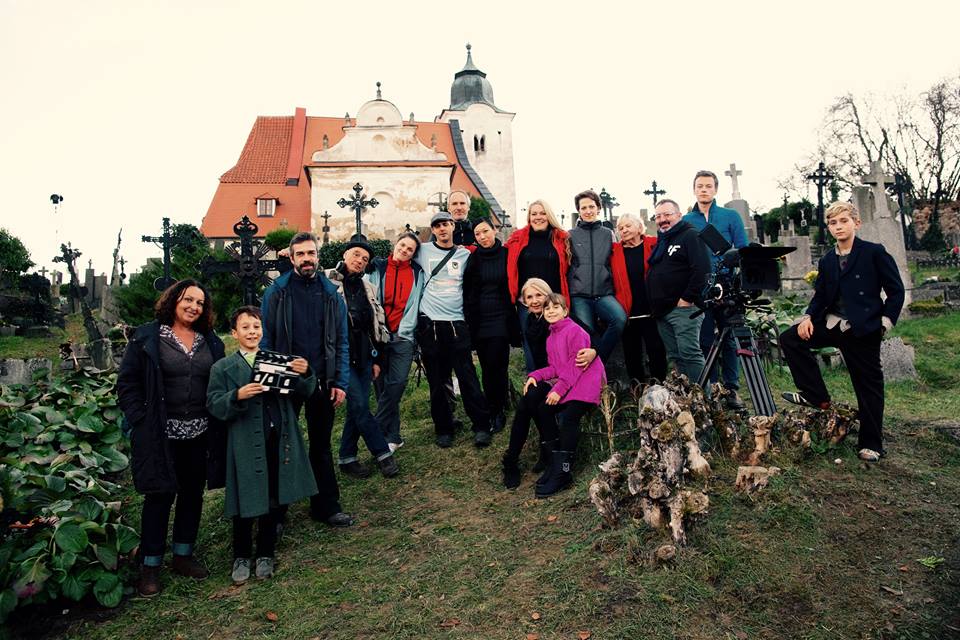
x: 869, y: 455
x: 241, y: 571
x: 394, y: 446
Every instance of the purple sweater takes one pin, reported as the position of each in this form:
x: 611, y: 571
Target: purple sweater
x: 572, y: 383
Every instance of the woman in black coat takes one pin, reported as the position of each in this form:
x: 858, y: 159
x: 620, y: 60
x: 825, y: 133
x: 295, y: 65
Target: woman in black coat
x: 175, y: 446
x: 490, y: 315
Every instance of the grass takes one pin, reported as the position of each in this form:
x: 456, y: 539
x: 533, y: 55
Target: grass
x: 443, y: 551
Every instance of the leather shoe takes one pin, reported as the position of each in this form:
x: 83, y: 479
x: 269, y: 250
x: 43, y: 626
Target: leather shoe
x: 389, y: 467
x: 734, y: 402
x: 149, y: 583
x: 355, y: 469
x: 444, y: 440
x: 189, y: 566
x: 482, y: 438
x: 340, y: 519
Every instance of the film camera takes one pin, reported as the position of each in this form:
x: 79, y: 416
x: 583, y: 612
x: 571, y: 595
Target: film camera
x: 738, y: 279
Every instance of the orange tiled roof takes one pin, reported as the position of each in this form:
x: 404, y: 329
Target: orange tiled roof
x: 265, y: 166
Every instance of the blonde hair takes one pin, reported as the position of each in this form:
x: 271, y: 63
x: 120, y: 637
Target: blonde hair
x: 547, y: 209
x: 837, y: 208
x: 538, y: 284
x: 557, y: 299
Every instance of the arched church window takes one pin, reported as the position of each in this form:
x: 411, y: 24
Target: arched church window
x: 326, y: 142
x: 433, y: 142
x: 476, y: 144
x: 483, y: 143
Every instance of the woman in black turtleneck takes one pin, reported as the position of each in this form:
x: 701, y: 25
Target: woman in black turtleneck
x: 490, y: 315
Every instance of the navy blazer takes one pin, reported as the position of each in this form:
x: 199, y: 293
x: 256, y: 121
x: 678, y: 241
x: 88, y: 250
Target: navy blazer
x: 870, y: 269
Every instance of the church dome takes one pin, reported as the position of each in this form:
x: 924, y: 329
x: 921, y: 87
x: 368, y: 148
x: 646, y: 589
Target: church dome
x: 470, y: 86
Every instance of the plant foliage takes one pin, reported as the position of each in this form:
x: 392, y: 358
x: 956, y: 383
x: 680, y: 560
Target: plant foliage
x: 62, y: 532
x: 14, y: 258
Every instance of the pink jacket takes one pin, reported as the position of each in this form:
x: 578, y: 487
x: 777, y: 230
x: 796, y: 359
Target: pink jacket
x: 572, y: 383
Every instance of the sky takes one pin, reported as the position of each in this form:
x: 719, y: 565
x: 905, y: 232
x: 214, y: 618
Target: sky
x: 132, y: 109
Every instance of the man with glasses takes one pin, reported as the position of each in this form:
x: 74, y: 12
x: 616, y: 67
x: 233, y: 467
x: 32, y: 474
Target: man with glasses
x: 679, y: 267
x: 443, y: 335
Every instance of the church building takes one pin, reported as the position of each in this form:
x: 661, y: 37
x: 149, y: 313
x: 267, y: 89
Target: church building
x: 294, y: 169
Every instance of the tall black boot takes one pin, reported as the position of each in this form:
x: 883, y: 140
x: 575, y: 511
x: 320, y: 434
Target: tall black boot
x: 561, y: 476
x: 511, y: 472
x: 546, y: 455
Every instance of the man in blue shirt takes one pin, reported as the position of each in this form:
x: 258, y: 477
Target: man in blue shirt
x: 730, y: 226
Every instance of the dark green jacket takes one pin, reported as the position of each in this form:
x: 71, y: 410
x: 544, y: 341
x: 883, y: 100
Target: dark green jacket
x: 247, y: 483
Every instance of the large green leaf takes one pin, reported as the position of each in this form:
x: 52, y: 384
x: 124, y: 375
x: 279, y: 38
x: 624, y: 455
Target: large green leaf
x: 115, y: 461
x: 56, y: 483
x: 89, y: 507
x: 8, y: 601
x: 108, y: 590
x: 89, y: 424
x: 74, y: 588
x: 34, y: 573
x: 107, y: 555
x: 127, y: 538
x: 70, y: 537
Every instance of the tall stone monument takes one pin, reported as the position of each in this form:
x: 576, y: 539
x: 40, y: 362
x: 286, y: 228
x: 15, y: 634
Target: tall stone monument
x: 878, y: 213
x: 737, y: 203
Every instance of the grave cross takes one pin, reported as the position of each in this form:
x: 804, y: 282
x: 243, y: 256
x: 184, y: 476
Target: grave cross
x: 441, y: 203
x: 247, y: 264
x: 326, y: 227
x: 357, y: 203
x: 166, y: 241
x: 903, y: 186
x: 879, y: 181
x: 43, y: 271
x: 821, y: 177
x: 607, y: 202
x: 68, y: 256
x: 653, y: 191
x: 734, y: 173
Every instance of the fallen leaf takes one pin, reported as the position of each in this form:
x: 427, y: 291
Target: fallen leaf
x: 583, y: 635
x: 891, y: 590
x: 272, y: 617
x: 533, y: 636
x: 535, y: 615
x: 904, y: 568
x: 551, y: 518
x: 449, y: 624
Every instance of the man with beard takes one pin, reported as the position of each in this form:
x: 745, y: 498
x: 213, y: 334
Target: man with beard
x: 679, y: 267
x: 304, y: 315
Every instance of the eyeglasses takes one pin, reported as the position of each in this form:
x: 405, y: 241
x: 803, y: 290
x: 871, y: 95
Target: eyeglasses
x: 665, y: 215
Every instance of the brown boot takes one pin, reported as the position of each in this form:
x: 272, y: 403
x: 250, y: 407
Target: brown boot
x: 149, y: 583
x: 189, y: 566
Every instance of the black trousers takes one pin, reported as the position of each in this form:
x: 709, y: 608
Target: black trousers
x: 319, y: 412
x: 565, y: 425
x: 641, y: 336
x: 190, y: 465
x: 267, y: 523
x: 862, y: 357
x: 530, y: 407
x: 494, y: 356
x: 445, y: 347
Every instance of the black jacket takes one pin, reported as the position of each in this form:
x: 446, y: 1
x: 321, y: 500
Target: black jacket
x: 870, y: 269
x: 463, y: 232
x: 140, y: 396
x: 487, y: 307
x: 679, y: 267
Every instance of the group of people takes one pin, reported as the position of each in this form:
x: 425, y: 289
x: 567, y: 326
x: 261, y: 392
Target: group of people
x: 567, y: 298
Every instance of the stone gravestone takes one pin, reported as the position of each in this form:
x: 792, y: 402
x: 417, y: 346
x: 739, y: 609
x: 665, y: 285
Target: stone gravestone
x: 737, y: 203
x: 799, y: 263
x: 880, y: 224
x: 16, y: 371
x: 896, y: 359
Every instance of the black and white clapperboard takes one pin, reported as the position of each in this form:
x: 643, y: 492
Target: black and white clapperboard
x: 272, y: 370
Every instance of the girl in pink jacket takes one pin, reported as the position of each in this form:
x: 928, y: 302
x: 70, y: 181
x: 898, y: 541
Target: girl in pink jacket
x: 574, y: 391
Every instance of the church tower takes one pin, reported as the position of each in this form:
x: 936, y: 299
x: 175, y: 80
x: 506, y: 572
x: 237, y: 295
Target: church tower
x: 486, y: 137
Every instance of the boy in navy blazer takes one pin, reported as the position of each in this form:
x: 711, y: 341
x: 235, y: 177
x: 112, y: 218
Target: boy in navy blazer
x: 847, y: 312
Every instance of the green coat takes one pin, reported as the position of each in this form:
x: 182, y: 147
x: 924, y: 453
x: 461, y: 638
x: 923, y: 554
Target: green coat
x: 247, y: 492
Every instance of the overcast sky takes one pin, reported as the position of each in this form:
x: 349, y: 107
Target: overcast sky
x: 133, y: 109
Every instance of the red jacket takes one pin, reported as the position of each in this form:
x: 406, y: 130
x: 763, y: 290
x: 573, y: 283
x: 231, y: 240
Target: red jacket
x: 517, y: 242
x: 621, y: 282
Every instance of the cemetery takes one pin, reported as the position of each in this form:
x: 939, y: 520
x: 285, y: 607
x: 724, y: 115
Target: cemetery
x: 687, y: 517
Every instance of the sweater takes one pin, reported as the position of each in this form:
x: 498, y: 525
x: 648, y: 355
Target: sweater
x: 571, y: 382
x: 518, y: 241
x: 727, y: 221
x: 679, y: 268
x: 487, y: 306
x: 637, y: 268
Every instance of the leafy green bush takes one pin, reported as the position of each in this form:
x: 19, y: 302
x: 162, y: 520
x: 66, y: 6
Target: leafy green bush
x: 62, y: 533
x: 279, y: 238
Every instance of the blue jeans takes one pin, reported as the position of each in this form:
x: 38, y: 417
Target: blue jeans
x: 360, y: 422
x: 727, y: 357
x: 586, y: 310
x: 398, y: 357
x: 681, y: 338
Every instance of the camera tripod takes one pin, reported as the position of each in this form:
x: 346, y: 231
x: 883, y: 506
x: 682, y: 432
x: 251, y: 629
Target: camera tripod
x: 750, y: 362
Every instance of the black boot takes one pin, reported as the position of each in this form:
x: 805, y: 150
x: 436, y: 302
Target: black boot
x: 546, y: 456
x: 543, y: 462
x: 511, y: 473
x: 561, y: 474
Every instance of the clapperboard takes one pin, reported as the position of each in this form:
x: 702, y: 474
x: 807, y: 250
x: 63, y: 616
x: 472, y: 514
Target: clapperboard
x: 272, y: 370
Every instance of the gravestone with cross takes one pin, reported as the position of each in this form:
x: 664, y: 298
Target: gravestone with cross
x: 877, y: 212
x: 357, y: 203
x: 167, y: 241
x: 738, y: 204
x: 734, y: 173
x: 247, y: 264
x: 654, y: 191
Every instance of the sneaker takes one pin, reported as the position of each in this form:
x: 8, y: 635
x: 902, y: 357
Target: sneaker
x: 149, y: 583
x: 264, y: 567
x: 482, y: 439
x: 445, y: 441
x: 340, y: 519
x: 189, y: 566
x: 241, y: 570
x: 389, y: 467
x: 795, y: 397
x: 355, y: 469
x: 734, y: 403
x: 394, y: 446
x: 869, y: 455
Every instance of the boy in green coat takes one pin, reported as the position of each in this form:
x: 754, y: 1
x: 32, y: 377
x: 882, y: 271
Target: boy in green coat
x: 267, y: 463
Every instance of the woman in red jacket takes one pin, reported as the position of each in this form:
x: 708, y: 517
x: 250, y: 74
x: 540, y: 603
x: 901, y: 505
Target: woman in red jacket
x: 538, y: 250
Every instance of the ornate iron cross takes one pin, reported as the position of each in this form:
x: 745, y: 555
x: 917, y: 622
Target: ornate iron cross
x: 166, y: 241
x: 821, y: 177
x: 247, y: 264
x: 326, y: 227
x: 357, y: 203
x: 653, y: 191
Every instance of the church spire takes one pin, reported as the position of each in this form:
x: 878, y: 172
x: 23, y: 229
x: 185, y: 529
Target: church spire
x: 470, y: 86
